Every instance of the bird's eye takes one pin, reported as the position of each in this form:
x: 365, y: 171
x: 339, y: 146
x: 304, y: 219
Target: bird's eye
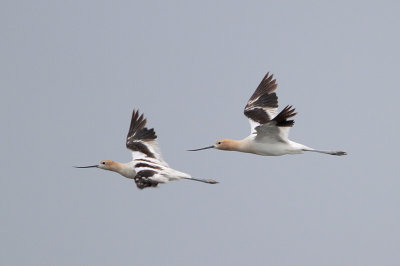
x: 219, y: 142
x: 103, y: 162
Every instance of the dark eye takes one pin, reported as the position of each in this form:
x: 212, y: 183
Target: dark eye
x: 103, y: 162
x: 219, y: 142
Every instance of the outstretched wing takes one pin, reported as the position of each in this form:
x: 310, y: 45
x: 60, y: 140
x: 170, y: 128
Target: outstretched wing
x: 143, y: 141
x: 263, y: 104
x: 262, y: 111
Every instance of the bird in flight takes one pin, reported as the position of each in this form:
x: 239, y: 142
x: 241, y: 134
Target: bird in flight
x: 269, y: 129
x: 147, y: 168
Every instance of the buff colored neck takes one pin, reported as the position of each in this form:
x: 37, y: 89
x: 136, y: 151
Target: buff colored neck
x: 123, y: 169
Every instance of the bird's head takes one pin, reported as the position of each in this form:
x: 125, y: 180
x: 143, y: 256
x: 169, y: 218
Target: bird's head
x: 221, y: 144
x: 103, y: 164
x: 224, y: 144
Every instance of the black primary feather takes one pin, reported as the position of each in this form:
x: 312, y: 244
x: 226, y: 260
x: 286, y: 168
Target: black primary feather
x: 281, y: 118
x: 263, y: 98
x: 137, y: 132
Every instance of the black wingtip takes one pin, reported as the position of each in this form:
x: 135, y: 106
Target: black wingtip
x: 286, y: 113
x: 137, y: 129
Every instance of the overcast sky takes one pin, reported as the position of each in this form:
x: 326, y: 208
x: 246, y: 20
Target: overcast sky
x: 72, y: 71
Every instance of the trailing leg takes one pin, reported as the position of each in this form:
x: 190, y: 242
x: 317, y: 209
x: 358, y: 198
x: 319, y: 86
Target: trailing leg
x: 338, y: 153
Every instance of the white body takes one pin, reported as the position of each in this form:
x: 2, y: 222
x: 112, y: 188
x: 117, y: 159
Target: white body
x: 164, y: 175
x: 272, y: 148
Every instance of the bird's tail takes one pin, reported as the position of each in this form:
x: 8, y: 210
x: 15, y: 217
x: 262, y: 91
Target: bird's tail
x: 208, y: 181
x: 338, y: 153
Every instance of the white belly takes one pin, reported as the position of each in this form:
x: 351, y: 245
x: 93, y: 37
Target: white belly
x: 274, y: 149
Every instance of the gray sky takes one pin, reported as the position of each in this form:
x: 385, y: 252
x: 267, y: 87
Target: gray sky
x: 72, y: 71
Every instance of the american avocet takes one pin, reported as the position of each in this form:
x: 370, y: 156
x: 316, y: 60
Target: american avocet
x: 269, y: 131
x: 147, y: 168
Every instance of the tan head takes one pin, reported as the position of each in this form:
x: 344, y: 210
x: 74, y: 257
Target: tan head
x: 104, y: 164
x: 225, y: 144
x: 221, y: 144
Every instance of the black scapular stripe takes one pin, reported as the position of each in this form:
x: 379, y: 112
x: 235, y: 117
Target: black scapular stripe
x: 140, y: 147
x: 148, y: 166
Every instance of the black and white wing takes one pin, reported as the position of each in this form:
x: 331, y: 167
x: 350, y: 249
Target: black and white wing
x: 262, y: 111
x: 263, y: 104
x: 143, y: 141
x: 147, y: 160
x: 150, y: 168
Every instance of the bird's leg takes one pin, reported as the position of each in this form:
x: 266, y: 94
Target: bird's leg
x: 208, y: 181
x: 338, y: 153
